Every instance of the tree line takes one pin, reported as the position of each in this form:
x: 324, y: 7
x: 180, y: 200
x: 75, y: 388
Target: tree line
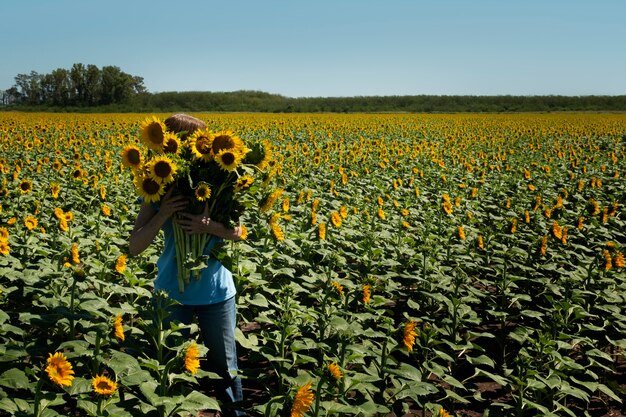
x: 82, y: 85
x: 87, y: 88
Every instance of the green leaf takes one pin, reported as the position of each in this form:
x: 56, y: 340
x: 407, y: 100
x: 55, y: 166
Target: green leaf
x: 197, y: 401
x: 14, y: 378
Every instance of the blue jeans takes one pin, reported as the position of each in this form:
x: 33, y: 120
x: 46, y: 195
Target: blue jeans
x: 217, y: 324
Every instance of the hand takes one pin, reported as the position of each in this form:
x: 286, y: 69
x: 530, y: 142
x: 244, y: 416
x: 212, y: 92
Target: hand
x: 171, y: 204
x: 195, y: 223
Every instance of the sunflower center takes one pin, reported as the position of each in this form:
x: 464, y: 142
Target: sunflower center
x: 202, y: 192
x: 25, y: 186
x: 162, y: 169
x: 103, y: 385
x: 150, y: 186
x: 134, y: 157
x: 203, y: 146
x: 222, y: 142
x: 228, y: 158
x: 155, y: 133
x: 171, y: 146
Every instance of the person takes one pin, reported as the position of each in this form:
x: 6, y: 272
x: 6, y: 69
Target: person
x: 210, y: 299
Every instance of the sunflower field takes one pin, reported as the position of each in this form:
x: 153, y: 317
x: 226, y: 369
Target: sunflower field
x: 398, y: 264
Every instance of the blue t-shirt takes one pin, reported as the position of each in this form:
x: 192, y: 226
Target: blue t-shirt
x: 214, y: 285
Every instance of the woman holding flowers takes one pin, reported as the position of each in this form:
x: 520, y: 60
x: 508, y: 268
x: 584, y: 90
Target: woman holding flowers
x: 209, y: 297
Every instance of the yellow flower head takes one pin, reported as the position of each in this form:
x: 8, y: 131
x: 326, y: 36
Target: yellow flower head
x: 461, y: 232
x: 30, y: 222
x: 443, y: 413
x: 5, y: 249
x: 244, y: 182
x: 149, y: 189
x: 153, y: 133
x: 409, y: 335
x: 203, y: 191
x: 103, y: 385
x: 75, y: 255
x: 120, y: 264
x: 106, y: 210
x: 55, y: 189
x: 161, y: 169
x: 26, y: 186
x: 335, y: 371
x: 244, y: 232
x: 131, y: 157
x: 228, y: 159
x: 192, y: 358
x: 338, y: 287
x: 171, y: 143
x: 200, y: 143
x: 335, y: 218
x: 303, y: 400
x: 59, y: 369
x: 119, y: 329
x: 4, y: 234
x: 321, y: 231
x: 367, y: 294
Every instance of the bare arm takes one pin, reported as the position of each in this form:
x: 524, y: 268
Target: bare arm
x: 201, y: 223
x: 150, y: 220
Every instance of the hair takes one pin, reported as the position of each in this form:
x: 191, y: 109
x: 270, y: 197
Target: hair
x: 184, y: 123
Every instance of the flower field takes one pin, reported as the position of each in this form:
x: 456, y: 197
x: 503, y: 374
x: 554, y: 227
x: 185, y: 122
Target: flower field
x: 439, y: 264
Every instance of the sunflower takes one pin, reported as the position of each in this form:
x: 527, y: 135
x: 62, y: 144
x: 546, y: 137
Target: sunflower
x: 619, y: 260
x: 150, y: 190
x: 335, y: 371
x: 59, y: 369
x: 4, y: 234
x: 367, y: 293
x: 30, y: 222
x: 226, y: 140
x: 321, y: 231
x: 260, y: 154
x: 443, y: 413
x: 153, y: 133
x: 277, y: 231
x: 120, y: 264
x: 63, y: 225
x: 119, y: 329
x: 203, y: 191
x: 103, y: 385
x: 269, y: 200
x: 303, y: 400
x: 200, y: 143
x: 161, y: 169
x: 192, y: 358
x: 336, y: 220
x: 409, y: 335
x: 171, y: 143
x: 243, y: 182
x: 244, y: 232
x: 480, y: 242
x: 5, y: 249
x: 131, y: 156
x: 55, y: 189
x: 338, y: 287
x: 75, y: 254
x: 228, y: 159
x: 26, y: 186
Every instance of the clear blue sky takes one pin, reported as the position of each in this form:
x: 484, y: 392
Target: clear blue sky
x: 318, y: 48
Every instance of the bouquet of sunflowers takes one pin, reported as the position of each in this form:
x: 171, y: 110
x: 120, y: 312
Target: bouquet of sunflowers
x: 212, y: 169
